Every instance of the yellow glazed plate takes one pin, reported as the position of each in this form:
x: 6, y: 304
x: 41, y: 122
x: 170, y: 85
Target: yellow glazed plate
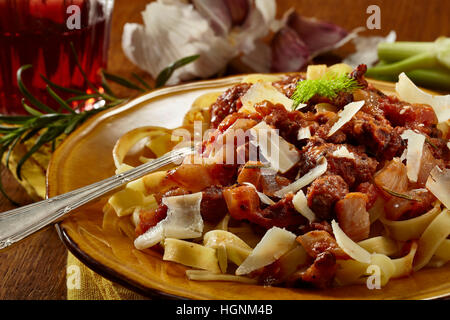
x: 107, y: 247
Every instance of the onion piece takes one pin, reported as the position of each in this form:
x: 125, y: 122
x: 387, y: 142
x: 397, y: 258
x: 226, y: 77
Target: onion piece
x: 281, y: 155
x: 272, y: 246
x: 409, y: 92
x: 414, y: 153
x: 262, y: 196
x: 261, y: 91
x: 346, y: 115
x: 301, y: 205
x: 350, y: 247
x: 304, y: 180
x: 183, y: 221
x: 439, y: 184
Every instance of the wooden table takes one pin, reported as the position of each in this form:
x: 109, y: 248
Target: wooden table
x: 35, y: 268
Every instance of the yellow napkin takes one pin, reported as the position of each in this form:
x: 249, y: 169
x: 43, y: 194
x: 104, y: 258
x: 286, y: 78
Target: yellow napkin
x: 85, y: 284
x: 90, y: 285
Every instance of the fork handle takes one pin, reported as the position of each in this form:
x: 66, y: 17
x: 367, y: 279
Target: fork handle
x: 17, y: 224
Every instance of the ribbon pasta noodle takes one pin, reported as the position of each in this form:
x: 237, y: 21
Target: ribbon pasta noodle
x: 432, y: 238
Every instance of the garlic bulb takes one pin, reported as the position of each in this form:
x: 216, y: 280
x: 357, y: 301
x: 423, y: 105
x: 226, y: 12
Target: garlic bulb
x: 174, y: 29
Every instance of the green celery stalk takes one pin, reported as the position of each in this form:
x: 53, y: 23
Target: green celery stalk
x: 396, y: 51
x: 425, y: 60
x: 431, y: 78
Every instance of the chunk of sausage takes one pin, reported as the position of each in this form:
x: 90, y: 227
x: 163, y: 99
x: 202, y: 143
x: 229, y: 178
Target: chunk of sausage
x: 323, y: 193
x: 319, y: 241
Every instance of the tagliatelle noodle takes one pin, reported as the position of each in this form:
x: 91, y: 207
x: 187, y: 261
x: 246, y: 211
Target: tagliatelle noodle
x: 236, y: 249
x: 353, y: 272
x: 128, y: 140
x: 443, y: 251
x: 405, y: 230
x: 380, y: 244
x: 404, y: 265
x: 191, y: 254
x: 433, y: 236
x: 203, y: 275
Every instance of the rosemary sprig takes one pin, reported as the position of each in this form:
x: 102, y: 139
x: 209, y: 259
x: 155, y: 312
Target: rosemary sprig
x: 47, y: 124
x: 167, y: 72
x: 399, y: 195
x: 329, y: 88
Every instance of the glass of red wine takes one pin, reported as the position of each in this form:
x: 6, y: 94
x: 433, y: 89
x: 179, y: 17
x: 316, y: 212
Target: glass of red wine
x: 45, y: 34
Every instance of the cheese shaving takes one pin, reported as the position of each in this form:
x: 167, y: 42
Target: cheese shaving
x: 281, y: 155
x: 301, y: 205
x: 346, y: 115
x: 350, y: 247
x: 439, y: 184
x: 272, y: 246
x: 262, y: 196
x: 261, y: 91
x: 413, y: 153
x: 183, y: 221
x: 409, y: 92
x: 342, y: 152
x: 304, y: 180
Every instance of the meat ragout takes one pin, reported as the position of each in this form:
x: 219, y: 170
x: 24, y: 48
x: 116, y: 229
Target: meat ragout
x: 345, y: 192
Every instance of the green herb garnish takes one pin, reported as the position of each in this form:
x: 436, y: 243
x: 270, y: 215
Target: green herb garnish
x: 48, y: 124
x: 329, y: 88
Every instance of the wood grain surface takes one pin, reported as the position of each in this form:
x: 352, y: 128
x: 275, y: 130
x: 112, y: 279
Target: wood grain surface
x: 35, y: 268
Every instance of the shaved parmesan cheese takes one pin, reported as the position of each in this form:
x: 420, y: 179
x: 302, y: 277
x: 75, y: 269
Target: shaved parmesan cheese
x: 262, y: 196
x: 350, y: 247
x: 342, y: 152
x: 408, y: 91
x: 304, y: 180
x: 183, y: 221
x: 301, y: 205
x: 346, y: 115
x: 439, y: 184
x: 272, y: 246
x: 304, y: 133
x: 261, y: 91
x: 413, y: 153
x: 281, y: 155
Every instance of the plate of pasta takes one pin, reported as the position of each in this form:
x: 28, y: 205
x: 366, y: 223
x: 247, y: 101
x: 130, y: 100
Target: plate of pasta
x: 316, y: 185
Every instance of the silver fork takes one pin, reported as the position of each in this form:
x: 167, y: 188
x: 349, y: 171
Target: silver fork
x: 22, y: 222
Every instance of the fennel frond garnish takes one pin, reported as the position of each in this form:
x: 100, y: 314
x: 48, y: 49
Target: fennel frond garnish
x: 329, y: 88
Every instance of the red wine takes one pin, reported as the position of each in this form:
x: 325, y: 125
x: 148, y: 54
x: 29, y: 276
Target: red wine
x: 36, y: 32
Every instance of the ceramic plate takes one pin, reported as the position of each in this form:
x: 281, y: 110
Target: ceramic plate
x: 107, y: 248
